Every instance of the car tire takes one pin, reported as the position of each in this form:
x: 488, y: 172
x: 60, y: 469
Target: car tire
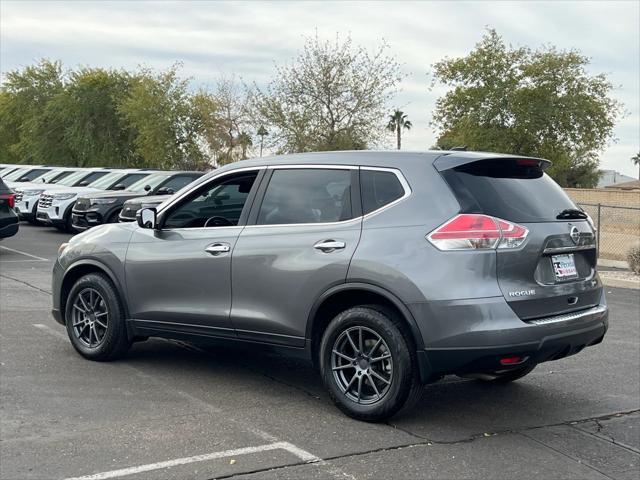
x: 100, y: 332
x: 507, y: 377
x: 386, y: 383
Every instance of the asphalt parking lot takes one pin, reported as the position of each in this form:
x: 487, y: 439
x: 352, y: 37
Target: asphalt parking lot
x: 174, y: 410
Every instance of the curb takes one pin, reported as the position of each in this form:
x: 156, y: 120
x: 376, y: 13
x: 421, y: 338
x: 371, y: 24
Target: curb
x: 603, y: 262
x: 619, y: 282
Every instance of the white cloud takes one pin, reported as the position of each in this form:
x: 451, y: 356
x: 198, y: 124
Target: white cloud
x: 245, y: 38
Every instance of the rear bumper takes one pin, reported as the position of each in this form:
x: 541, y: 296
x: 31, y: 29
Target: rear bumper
x: 471, y: 347
x: 9, y: 226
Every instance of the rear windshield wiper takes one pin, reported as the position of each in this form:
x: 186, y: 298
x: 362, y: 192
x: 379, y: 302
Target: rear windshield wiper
x: 568, y: 213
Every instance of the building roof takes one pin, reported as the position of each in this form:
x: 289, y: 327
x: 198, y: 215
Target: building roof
x: 632, y: 185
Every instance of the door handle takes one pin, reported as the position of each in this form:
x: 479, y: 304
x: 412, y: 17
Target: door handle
x: 327, y: 246
x: 217, y: 248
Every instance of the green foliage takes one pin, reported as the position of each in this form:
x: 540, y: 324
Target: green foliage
x: 539, y: 103
x: 161, y: 111
x: 332, y: 97
x: 23, y: 98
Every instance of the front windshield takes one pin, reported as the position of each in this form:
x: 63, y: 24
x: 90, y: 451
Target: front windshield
x: 15, y: 174
x: 73, y: 178
x: 108, y: 180
x: 52, y: 176
x: 152, y: 180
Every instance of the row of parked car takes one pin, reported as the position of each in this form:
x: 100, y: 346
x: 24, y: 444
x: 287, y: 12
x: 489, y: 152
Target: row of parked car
x: 73, y: 199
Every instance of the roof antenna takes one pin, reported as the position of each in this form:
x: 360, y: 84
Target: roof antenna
x: 463, y: 148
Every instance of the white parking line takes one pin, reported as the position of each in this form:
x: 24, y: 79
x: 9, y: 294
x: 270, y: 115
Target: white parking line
x: 301, y: 454
x: 24, y: 253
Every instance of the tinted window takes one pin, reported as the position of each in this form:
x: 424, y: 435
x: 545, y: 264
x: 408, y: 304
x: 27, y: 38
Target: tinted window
x: 177, y: 182
x: 506, y: 190
x: 219, y: 204
x: 379, y: 188
x: 307, y: 196
x: 92, y: 177
x: 29, y: 175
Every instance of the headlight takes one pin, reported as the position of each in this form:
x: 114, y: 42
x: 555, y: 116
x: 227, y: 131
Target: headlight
x: 32, y: 192
x: 102, y: 201
x: 64, y: 196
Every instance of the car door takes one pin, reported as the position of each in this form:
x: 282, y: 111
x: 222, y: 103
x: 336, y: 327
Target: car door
x: 299, y: 242
x: 179, y: 275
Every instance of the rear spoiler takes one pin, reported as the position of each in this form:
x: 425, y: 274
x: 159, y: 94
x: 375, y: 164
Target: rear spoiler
x: 454, y: 159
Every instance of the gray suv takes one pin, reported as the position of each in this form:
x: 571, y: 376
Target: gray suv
x: 387, y: 269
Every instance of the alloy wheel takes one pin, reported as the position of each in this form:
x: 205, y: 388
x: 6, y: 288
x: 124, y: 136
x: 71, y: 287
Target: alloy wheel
x: 362, y: 365
x: 90, y: 317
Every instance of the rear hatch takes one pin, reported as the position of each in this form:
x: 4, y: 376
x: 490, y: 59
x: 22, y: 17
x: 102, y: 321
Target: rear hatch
x: 554, y: 271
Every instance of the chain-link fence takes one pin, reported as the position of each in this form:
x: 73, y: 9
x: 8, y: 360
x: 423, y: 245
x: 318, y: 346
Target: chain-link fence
x: 618, y: 229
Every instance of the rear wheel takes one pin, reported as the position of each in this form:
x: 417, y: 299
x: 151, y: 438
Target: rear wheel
x: 367, y: 364
x: 95, y: 319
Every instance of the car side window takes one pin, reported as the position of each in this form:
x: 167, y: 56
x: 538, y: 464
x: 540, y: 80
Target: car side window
x: 307, y: 195
x: 177, y: 182
x: 379, y: 188
x: 218, y: 204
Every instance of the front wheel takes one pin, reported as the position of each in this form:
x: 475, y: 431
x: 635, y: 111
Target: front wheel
x: 95, y: 319
x: 368, y: 364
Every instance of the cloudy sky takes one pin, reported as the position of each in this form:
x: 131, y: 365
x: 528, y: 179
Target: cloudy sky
x: 246, y: 38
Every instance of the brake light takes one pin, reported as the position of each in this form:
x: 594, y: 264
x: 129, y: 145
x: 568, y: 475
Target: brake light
x: 477, y: 232
x: 10, y: 198
x: 526, y: 162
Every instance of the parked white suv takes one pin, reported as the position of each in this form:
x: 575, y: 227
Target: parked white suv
x: 55, y: 204
x: 28, y: 193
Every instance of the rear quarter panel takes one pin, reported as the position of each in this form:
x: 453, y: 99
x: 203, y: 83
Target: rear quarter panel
x: 394, y: 254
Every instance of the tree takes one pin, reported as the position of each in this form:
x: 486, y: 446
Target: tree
x: 541, y: 103
x: 331, y: 97
x: 397, y: 122
x: 245, y: 142
x: 167, y: 123
x: 86, y: 112
x: 24, y: 95
x: 636, y: 161
x: 262, y: 132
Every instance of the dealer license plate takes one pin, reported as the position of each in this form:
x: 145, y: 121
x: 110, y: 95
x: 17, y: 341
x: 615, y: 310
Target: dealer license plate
x: 564, y: 266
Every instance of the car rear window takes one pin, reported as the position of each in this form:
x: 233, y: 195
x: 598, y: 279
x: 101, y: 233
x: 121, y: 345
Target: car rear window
x: 510, y: 189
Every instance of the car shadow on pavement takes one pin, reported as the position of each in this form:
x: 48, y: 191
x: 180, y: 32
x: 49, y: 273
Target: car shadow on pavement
x: 451, y: 410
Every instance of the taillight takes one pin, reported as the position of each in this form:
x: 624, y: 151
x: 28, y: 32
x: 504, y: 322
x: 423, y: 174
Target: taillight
x: 10, y: 198
x: 477, y: 232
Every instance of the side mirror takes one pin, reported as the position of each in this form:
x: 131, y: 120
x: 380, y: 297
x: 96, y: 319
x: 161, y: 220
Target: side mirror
x: 119, y: 186
x: 83, y: 183
x: 147, y: 188
x: 146, y: 217
x: 165, y: 191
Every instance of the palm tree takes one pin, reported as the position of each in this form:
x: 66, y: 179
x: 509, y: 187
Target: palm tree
x: 262, y: 132
x: 636, y: 161
x: 244, y: 140
x: 397, y: 122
